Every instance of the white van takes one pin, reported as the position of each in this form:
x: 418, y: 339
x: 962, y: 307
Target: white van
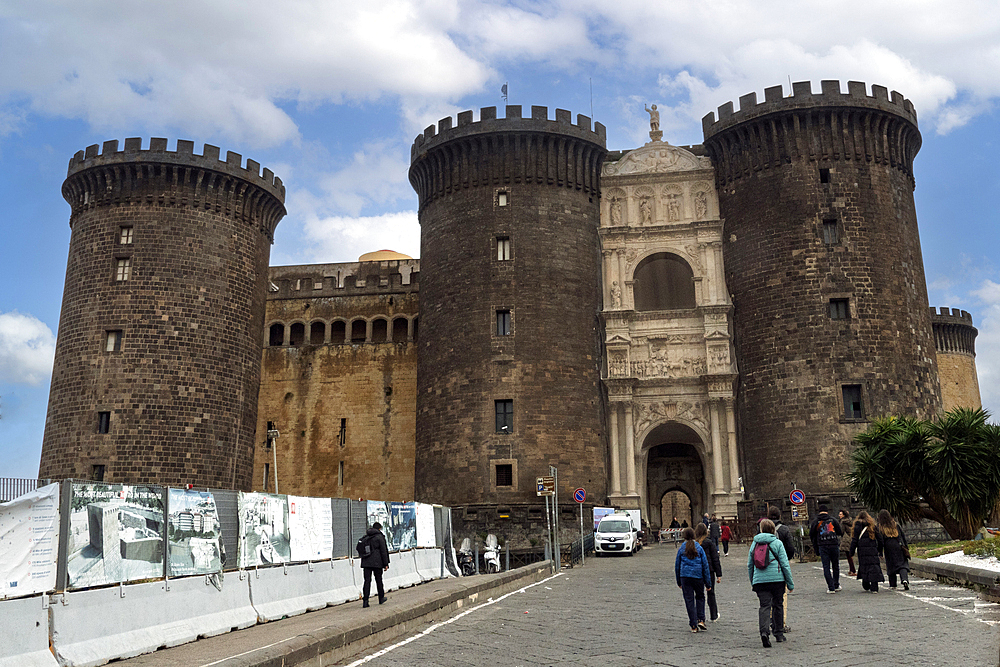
x: 616, y: 533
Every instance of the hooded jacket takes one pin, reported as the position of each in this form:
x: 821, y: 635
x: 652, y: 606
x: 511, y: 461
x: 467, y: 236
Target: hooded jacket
x: 379, y: 557
x: 777, y: 569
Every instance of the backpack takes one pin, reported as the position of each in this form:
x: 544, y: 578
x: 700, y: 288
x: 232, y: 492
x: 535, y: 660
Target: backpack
x: 762, y: 555
x: 786, y: 539
x: 364, y: 546
x: 826, y: 532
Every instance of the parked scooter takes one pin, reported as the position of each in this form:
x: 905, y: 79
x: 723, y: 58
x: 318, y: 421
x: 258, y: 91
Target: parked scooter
x: 491, y: 555
x: 466, y: 563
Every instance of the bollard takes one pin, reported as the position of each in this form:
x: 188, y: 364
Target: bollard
x: 506, y: 549
x: 475, y: 550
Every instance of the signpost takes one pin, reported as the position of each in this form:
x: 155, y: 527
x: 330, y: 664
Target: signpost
x: 797, y: 497
x: 546, y: 486
x: 579, y: 496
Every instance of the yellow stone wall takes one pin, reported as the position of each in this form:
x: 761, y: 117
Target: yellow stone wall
x: 959, y: 381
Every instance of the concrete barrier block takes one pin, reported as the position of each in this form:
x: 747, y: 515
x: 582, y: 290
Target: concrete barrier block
x: 402, y: 571
x: 24, y: 633
x: 429, y: 564
x: 95, y: 626
x: 279, y: 592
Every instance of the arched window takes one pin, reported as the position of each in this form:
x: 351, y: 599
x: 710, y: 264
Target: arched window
x: 317, y: 332
x: 359, y: 331
x: 380, y: 331
x: 298, y: 334
x: 276, y: 335
x: 663, y: 282
x: 399, y: 330
x: 338, y: 333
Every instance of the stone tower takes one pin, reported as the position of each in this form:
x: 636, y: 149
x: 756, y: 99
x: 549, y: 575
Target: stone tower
x: 508, y: 372
x: 157, y: 363
x: 955, y: 341
x: 823, y: 262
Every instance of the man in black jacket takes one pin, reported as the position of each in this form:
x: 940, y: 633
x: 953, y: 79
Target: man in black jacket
x: 825, y: 533
x: 375, y: 563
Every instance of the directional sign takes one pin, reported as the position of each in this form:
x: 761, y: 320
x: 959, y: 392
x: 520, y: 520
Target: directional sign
x: 546, y: 486
x: 797, y: 497
x: 580, y: 495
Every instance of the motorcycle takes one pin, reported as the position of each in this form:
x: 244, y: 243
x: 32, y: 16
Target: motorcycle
x: 466, y: 563
x: 491, y: 554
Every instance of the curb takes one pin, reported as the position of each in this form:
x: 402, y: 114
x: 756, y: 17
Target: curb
x: 955, y: 573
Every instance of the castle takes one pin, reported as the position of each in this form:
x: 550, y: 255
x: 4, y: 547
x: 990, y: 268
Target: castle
x: 715, y: 321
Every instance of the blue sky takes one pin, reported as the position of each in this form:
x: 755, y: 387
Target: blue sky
x: 330, y: 95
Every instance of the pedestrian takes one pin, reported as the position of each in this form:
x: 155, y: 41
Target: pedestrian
x: 712, y: 554
x: 847, y: 523
x: 693, y: 577
x: 825, y: 534
x: 769, y: 574
x: 868, y: 543
x: 684, y: 523
x: 375, y: 562
x: 785, y: 535
x: 727, y: 534
x: 714, y: 531
x: 675, y: 523
x: 705, y: 520
x: 897, y: 553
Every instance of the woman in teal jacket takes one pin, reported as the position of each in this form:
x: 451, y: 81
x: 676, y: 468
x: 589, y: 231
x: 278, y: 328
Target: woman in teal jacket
x: 694, y: 577
x: 769, y: 583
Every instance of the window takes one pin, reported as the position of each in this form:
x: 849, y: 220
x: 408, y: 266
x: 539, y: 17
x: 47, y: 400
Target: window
x: 125, y: 236
x: 317, y: 330
x: 103, y: 422
x: 340, y: 474
x: 663, y: 282
x: 123, y: 269
x: 505, y: 416
x: 504, y: 474
x: 824, y: 175
x: 831, y: 235
x: 113, y: 341
x: 503, y: 197
x: 503, y: 248
x: 840, y: 309
x: 852, y: 402
x: 97, y: 472
x: 342, y: 436
x: 276, y: 335
x: 503, y: 322
x: 359, y: 331
x: 297, y: 334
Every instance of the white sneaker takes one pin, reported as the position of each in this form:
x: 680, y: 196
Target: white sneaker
x: 831, y: 592
x: 717, y: 617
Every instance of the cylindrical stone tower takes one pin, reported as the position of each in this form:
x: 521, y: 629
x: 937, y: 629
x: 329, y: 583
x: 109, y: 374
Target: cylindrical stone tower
x: 508, y: 372
x: 955, y: 341
x: 823, y: 263
x: 157, y: 363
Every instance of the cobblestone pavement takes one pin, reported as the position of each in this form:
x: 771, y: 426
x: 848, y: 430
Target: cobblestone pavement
x: 629, y: 611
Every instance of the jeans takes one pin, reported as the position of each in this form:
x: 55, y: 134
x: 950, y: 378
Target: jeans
x: 367, y: 589
x: 725, y: 546
x: 830, y: 555
x: 694, y: 599
x: 904, y: 576
x: 770, y: 616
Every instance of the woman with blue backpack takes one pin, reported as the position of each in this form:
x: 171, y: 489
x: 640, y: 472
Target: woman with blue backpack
x: 767, y: 566
x: 694, y: 577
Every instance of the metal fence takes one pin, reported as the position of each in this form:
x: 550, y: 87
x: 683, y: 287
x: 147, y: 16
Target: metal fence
x: 12, y: 487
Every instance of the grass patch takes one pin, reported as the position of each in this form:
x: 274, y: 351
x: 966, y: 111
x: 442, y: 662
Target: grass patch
x: 933, y: 549
x: 983, y: 548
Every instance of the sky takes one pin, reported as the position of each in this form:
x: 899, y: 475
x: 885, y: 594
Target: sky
x: 330, y: 95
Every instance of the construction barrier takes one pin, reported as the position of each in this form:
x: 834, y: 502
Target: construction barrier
x: 24, y: 638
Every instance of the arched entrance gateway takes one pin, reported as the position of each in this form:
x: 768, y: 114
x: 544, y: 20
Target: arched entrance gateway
x: 674, y: 457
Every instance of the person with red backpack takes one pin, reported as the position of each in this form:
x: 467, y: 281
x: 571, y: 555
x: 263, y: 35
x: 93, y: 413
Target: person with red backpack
x: 825, y: 534
x: 767, y: 566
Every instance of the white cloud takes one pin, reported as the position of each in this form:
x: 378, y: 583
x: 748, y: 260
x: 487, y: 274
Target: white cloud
x: 988, y: 346
x: 27, y: 347
x: 344, y: 239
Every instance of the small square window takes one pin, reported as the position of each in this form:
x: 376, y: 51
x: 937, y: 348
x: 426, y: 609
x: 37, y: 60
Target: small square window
x: 97, y: 472
x: 505, y: 416
x: 852, y: 402
x: 503, y: 322
x: 840, y: 309
x: 103, y: 422
x: 504, y: 474
x: 113, y: 341
x: 831, y: 235
x: 125, y: 236
x: 123, y: 269
x: 503, y: 197
x: 503, y: 248
x: 824, y: 175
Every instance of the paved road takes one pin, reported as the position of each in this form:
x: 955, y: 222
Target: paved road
x: 628, y: 611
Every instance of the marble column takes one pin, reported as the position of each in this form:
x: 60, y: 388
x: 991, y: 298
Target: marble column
x: 630, y: 451
x: 734, y: 468
x: 717, y: 452
x: 616, y: 477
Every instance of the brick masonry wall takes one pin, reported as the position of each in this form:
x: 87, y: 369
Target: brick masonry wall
x: 182, y: 391
x: 793, y: 357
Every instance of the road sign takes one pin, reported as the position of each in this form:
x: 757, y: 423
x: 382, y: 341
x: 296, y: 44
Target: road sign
x: 546, y: 485
x: 580, y: 495
x: 795, y: 513
x: 797, y: 497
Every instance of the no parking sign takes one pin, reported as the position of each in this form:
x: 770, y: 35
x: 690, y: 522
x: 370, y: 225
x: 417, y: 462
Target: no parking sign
x: 797, y: 497
x: 580, y: 495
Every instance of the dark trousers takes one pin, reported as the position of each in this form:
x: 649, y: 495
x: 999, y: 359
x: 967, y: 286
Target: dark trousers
x: 694, y: 599
x: 713, y: 606
x: 771, y: 615
x: 904, y: 575
x: 850, y: 564
x: 369, y: 571
x: 830, y: 555
x: 870, y: 585
x: 725, y: 546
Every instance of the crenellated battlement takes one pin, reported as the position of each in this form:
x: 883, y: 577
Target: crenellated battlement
x: 950, y: 315
x: 513, y: 121
x: 802, y: 97
x: 98, y: 155
x: 953, y: 331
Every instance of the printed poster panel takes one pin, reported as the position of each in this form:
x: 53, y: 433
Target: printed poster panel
x: 426, y: 536
x: 193, y: 533
x: 310, y: 523
x: 380, y: 512
x: 116, y: 534
x: 600, y: 513
x: 29, y: 536
x: 264, y: 536
x: 403, y: 517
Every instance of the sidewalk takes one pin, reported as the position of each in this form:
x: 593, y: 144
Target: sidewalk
x: 326, y: 636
